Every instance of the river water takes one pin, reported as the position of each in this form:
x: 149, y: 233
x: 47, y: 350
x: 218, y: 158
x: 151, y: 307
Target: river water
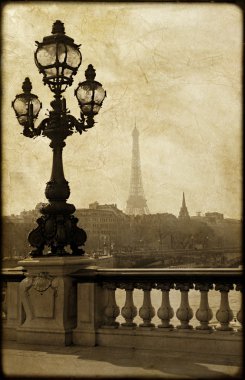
x: 194, y: 300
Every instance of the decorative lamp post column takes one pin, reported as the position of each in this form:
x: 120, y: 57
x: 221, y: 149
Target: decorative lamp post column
x: 58, y: 59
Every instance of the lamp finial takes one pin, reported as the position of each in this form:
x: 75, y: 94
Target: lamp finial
x: 27, y: 86
x: 58, y: 27
x: 90, y: 72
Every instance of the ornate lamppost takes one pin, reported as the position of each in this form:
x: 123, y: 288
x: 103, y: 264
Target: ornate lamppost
x: 58, y: 59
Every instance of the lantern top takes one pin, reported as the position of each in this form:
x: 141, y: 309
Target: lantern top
x: 27, y: 86
x: 58, y: 27
x: 58, y: 35
x: 90, y: 73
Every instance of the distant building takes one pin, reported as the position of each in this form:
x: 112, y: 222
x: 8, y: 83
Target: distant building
x: 106, y: 226
x: 109, y: 230
x: 15, y: 246
x: 184, y: 214
x: 214, y: 217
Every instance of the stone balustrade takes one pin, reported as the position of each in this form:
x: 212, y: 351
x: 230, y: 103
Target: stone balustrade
x: 98, y: 319
x: 223, y: 281
x: 131, y: 326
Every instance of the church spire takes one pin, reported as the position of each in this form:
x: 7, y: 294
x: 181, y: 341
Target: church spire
x: 183, y: 213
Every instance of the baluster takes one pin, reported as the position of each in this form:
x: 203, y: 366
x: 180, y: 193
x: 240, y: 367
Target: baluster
x: 239, y: 314
x: 204, y: 314
x: 165, y: 311
x: 111, y: 311
x: 147, y: 311
x: 224, y: 315
x: 184, y: 312
x: 129, y: 311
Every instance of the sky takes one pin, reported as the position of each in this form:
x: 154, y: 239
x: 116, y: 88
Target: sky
x: 173, y: 70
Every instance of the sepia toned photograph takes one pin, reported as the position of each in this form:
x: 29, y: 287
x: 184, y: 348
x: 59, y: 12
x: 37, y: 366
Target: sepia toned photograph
x: 121, y: 189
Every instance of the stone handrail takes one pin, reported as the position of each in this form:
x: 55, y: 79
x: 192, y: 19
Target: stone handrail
x: 198, y: 273
x: 12, y: 274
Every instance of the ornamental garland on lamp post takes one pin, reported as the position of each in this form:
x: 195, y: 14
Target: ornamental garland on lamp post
x: 58, y: 59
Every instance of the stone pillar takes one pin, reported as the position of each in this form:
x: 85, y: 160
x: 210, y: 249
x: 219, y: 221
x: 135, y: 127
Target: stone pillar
x: 12, y: 310
x: 48, y: 300
x: 91, y: 301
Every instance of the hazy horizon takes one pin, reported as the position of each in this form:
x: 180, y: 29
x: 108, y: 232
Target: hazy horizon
x: 110, y: 203
x: 173, y: 69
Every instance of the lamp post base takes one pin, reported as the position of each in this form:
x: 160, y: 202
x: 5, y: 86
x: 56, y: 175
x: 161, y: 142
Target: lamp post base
x: 57, y: 230
x: 48, y: 300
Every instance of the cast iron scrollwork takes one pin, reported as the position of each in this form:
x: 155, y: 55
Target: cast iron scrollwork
x: 58, y: 59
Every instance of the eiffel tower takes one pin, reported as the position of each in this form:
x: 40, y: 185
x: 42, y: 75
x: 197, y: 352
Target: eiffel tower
x: 136, y: 203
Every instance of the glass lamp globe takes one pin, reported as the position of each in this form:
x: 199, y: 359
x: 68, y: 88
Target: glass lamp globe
x: 58, y: 59
x: 90, y: 94
x: 26, y: 105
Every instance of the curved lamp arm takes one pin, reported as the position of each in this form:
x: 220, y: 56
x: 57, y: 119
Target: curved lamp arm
x: 32, y: 132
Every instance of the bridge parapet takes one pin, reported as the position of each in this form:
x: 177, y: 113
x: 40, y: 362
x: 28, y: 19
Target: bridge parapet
x: 110, y: 325
x: 98, y: 320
